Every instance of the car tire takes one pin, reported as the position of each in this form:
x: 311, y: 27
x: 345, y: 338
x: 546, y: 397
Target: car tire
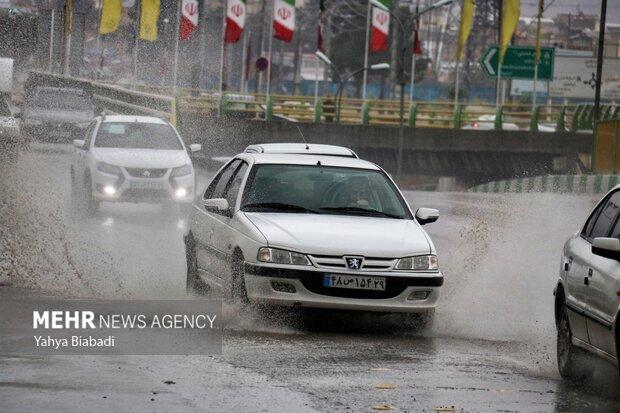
x: 573, y: 362
x: 193, y: 284
x: 238, y: 289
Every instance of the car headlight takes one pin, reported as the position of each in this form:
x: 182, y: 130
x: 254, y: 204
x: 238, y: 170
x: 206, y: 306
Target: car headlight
x: 106, y: 168
x: 181, y: 171
x: 278, y: 256
x: 418, y: 263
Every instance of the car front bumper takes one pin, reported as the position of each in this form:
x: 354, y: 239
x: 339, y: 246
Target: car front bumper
x: 128, y: 188
x: 267, y: 285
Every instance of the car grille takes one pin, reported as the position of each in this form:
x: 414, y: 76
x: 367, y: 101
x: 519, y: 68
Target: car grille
x: 146, y: 193
x: 337, y: 262
x: 147, y: 172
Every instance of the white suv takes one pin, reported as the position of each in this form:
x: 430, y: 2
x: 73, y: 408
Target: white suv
x: 587, y: 297
x: 312, y: 231
x: 132, y: 159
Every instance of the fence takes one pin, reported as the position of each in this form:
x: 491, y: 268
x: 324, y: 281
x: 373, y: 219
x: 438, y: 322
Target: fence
x: 159, y: 101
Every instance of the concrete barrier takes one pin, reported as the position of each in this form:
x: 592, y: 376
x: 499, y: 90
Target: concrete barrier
x: 583, y: 184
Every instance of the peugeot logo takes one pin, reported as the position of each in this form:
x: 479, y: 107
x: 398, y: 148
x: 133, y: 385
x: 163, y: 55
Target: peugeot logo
x: 146, y: 173
x: 354, y: 263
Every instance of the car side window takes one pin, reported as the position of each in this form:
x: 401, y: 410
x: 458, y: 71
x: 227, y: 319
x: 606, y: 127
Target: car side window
x: 607, y: 217
x: 235, y: 185
x: 217, y: 187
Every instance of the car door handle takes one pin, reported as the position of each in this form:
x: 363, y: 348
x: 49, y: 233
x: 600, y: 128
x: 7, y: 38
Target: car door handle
x: 590, y: 272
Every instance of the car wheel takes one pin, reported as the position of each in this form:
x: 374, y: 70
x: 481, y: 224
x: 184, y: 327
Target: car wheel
x: 573, y: 362
x: 238, y: 290
x: 193, y: 283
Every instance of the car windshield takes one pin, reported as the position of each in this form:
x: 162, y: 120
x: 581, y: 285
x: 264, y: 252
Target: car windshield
x: 134, y: 135
x: 322, y: 190
x: 59, y: 99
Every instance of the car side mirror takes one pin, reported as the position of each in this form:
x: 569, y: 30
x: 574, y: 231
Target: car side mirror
x: 217, y: 205
x: 195, y: 147
x: 78, y: 143
x: 606, y: 247
x: 426, y: 215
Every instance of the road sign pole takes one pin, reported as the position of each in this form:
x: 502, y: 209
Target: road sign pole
x: 499, y: 84
x: 456, y: 84
x: 535, y: 85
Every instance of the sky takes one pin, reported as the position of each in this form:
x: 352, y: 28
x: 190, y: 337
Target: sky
x: 529, y: 8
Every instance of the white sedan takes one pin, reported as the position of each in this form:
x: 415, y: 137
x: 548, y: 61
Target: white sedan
x: 132, y: 159
x: 312, y: 231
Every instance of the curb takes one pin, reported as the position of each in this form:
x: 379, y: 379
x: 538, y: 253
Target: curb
x: 578, y: 184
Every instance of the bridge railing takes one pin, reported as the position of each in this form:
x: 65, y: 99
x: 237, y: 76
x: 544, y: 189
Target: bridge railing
x: 159, y: 101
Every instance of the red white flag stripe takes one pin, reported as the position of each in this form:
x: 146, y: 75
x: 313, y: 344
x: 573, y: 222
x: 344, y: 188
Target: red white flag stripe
x: 235, y: 20
x: 284, y: 19
x: 380, y: 30
x: 189, y: 18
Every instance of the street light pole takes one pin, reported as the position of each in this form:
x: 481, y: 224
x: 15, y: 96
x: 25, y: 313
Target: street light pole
x: 599, y: 61
x: 342, y: 82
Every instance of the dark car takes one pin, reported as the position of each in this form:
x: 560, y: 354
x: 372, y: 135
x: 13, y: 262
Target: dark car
x: 56, y: 114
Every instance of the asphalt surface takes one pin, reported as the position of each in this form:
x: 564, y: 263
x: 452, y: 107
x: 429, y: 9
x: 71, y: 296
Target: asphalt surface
x: 492, y: 347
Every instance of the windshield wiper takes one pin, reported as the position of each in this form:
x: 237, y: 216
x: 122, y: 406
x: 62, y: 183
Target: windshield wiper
x: 360, y: 211
x: 279, y: 207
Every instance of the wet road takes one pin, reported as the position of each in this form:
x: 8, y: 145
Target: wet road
x: 491, y: 348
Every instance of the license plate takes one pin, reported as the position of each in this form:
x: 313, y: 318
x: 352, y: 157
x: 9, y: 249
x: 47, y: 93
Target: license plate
x: 145, y: 184
x: 354, y: 282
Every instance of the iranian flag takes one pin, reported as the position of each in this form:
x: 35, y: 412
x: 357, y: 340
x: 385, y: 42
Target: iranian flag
x: 235, y: 20
x: 189, y: 18
x: 380, y: 28
x: 284, y: 19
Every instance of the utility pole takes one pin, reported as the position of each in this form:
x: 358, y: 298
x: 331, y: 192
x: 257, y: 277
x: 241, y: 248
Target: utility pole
x: 599, y: 61
x: 258, y: 75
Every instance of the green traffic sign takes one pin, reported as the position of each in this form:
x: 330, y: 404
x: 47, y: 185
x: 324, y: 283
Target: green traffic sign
x: 518, y: 62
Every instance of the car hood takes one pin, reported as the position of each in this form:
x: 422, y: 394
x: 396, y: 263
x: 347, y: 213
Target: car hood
x: 69, y: 116
x: 142, y: 158
x: 342, y: 234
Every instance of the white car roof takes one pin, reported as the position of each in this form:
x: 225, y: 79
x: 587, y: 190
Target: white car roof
x: 301, y: 149
x: 293, y: 159
x: 132, y: 118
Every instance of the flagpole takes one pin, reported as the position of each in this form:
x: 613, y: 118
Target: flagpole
x: 270, y: 51
x: 51, y: 52
x: 413, y: 55
x: 365, y: 74
x: 316, y: 81
x: 541, y: 5
x: 223, y: 49
x: 244, y: 61
x: 135, y: 46
x: 176, y: 51
x: 457, y: 83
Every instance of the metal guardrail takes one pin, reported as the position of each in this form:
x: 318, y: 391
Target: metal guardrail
x: 158, y: 101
